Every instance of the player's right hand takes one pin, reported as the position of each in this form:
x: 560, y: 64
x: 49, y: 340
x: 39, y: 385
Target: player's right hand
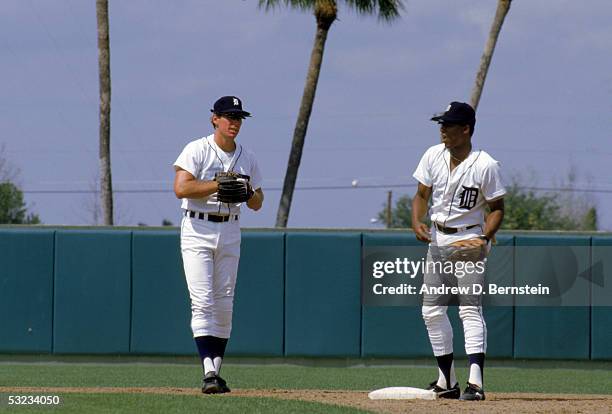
x: 421, y: 231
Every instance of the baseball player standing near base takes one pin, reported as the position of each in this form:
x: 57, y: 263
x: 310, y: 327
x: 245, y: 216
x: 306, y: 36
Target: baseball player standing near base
x: 462, y: 183
x: 214, y: 177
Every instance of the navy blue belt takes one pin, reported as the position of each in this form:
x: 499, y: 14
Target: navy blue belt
x: 217, y: 218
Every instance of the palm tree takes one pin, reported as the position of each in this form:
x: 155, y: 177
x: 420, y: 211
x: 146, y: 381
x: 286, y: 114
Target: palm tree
x: 503, y: 6
x: 106, y: 183
x: 325, y: 12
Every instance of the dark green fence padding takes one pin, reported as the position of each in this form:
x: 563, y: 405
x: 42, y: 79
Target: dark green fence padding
x: 394, y: 331
x: 26, y: 290
x: 500, y: 319
x: 552, y: 332
x: 92, y: 292
x: 601, y: 316
x: 258, y: 325
x: 115, y: 291
x: 322, y: 294
x: 161, y: 313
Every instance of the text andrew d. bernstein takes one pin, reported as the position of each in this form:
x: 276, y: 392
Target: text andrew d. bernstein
x: 476, y: 289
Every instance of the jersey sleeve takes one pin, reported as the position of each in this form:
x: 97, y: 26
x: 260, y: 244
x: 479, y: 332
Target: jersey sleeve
x: 423, y: 171
x: 190, y: 159
x: 256, y: 179
x: 492, y: 184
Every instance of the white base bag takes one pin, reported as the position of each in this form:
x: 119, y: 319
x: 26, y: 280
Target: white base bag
x: 402, y: 393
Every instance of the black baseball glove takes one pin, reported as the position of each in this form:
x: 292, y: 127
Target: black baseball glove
x: 233, y: 187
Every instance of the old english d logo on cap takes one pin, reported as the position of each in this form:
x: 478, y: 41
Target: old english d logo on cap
x: 457, y: 113
x: 229, y: 105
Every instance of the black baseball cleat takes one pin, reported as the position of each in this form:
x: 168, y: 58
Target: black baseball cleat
x: 452, y: 393
x: 223, y: 385
x: 473, y: 393
x: 211, y: 384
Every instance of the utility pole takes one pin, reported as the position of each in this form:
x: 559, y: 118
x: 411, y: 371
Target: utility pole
x: 389, y: 197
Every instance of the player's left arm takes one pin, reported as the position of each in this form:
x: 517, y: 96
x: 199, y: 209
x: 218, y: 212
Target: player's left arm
x: 255, y: 202
x: 494, y: 218
x: 493, y: 191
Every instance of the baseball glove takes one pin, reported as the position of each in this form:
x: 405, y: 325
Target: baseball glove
x: 471, y: 250
x: 233, y: 187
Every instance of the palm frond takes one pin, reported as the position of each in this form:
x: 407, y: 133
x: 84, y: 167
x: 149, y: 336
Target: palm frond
x: 386, y: 10
x: 389, y: 9
x: 361, y: 6
x: 304, y: 5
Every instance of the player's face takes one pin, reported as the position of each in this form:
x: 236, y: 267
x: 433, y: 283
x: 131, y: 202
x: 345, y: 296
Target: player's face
x: 228, y: 125
x: 454, y: 135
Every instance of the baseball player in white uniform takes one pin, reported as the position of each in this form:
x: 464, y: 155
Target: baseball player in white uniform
x: 461, y: 182
x: 210, y: 231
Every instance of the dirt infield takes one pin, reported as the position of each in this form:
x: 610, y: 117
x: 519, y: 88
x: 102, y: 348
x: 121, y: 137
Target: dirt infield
x: 495, y: 403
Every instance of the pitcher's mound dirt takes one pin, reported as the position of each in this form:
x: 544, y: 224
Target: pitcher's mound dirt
x: 495, y: 403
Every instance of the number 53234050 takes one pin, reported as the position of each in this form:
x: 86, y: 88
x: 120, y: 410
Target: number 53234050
x: 34, y: 400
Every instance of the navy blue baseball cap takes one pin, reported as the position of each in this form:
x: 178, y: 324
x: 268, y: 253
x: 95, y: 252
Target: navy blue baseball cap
x: 459, y: 113
x: 229, y: 105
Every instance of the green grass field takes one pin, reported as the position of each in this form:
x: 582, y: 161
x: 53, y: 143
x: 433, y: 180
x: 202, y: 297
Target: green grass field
x: 578, y: 378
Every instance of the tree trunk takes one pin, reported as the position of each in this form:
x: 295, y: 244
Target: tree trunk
x: 106, y: 184
x: 325, y: 18
x: 503, y: 6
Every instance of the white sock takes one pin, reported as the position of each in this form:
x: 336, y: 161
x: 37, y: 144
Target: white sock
x: 452, y: 378
x: 218, y: 360
x: 208, y: 365
x: 475, y: 375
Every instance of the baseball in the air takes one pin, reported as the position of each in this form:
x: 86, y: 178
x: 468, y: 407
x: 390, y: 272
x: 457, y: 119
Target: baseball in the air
x: 354, y: 183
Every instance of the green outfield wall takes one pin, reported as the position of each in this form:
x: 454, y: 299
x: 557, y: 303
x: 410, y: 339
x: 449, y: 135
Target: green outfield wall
x: 122, y: 291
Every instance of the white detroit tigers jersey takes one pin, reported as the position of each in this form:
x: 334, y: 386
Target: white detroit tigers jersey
x: 459, y: 197
x: 203, y: 158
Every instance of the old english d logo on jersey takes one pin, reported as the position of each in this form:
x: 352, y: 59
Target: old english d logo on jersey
x: 468, y: 197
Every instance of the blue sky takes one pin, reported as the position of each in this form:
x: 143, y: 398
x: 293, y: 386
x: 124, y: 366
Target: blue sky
x: 546, y: 108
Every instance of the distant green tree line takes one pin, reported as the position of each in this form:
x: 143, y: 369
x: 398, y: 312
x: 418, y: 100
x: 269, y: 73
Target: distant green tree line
x: 13, y: 208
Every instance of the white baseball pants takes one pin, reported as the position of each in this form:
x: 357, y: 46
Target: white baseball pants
x: 211, y: 252
x: 436, y: 319
x: 441, y: 332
